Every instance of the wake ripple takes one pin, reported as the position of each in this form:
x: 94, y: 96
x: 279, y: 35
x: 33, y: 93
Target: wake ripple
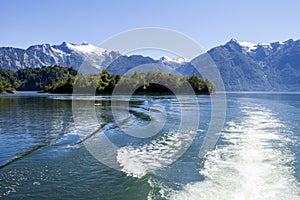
x: 254, y: 163
x: 140, y: 160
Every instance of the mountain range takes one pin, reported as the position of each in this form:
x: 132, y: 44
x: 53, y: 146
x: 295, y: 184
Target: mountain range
x: 65, y: 54
x: 244, y: 66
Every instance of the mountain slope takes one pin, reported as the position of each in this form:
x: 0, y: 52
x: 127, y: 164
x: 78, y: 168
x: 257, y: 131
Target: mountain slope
x: 242, y: 65
x: 274, y: 66
x: 65, y: 54
x: 123, y: 64
x: 238, y: 70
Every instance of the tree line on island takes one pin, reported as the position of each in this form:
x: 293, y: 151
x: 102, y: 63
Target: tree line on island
x: 58, y: 79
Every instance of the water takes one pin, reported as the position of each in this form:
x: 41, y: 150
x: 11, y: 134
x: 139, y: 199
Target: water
x: 46, y: 148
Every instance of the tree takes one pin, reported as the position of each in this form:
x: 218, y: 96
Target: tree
x: 5, y: 86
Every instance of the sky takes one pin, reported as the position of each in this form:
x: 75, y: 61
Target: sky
x: 210, y: 23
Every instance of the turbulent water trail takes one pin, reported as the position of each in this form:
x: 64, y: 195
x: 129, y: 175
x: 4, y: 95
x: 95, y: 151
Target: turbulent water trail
x: 138, y: 161
x: 174, y: 128
x: 254, y: 162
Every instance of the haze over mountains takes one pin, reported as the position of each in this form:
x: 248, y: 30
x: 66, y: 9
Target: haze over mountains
x: 242, y: 65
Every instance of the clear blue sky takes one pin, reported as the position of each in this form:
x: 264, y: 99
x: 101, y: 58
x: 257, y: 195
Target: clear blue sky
x: 209, y: 22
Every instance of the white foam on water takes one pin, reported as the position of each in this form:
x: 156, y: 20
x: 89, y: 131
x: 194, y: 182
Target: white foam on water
x: 161, y: 152
x: 254, y: 163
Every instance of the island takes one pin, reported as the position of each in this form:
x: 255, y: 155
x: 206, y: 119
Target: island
x: 67, y: 80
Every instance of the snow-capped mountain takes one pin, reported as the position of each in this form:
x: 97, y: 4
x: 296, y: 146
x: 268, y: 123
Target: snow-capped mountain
x: 173, y: 63
x: 252, y: 48
x: 247, y: 46
x: 242, y: 65
x: 65, y: 54
x: 248, y: 66
x: 168, y: 60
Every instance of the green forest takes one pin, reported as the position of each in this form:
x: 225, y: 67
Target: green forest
x: 6, y: 87
x: 57, y: 79
x: 36, y: 79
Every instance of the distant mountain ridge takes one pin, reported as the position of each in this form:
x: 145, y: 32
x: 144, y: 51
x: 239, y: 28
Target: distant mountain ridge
x: 242, y: 65
x: 65, y: 54
x: 245, y: 66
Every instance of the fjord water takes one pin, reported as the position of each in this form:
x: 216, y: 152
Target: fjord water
x: 257, y: 155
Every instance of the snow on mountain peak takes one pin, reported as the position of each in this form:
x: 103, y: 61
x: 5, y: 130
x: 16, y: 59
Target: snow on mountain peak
x: 85, y: 48
x: 265, y: 45
x: 182, y: 60
x: 170, y: 60
x: 166, y: 58
x: 249, y: 46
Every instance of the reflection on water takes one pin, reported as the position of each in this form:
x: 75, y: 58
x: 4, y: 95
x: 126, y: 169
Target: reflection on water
x: 258, y: 152
x: 29, y: 121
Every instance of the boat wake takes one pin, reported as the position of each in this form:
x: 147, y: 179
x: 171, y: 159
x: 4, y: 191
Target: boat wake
x: 254, y: 162
x: 140, y: 160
